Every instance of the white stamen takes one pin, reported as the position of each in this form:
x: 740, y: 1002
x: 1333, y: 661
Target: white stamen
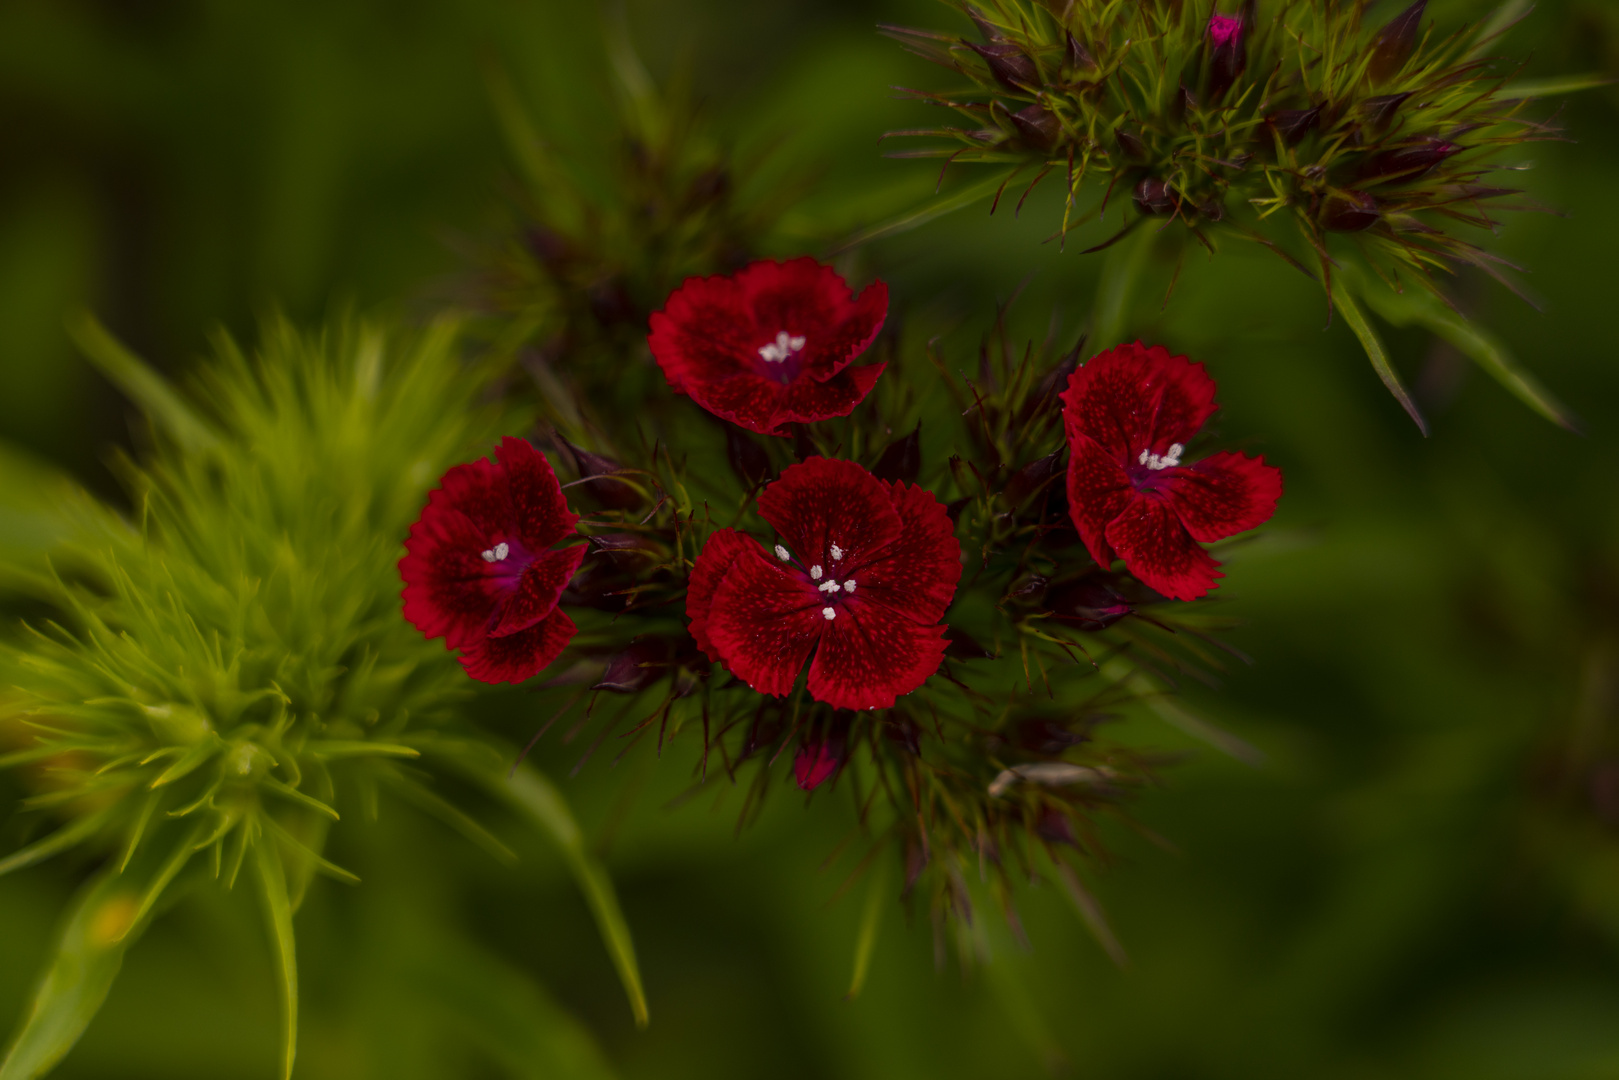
x: 837, y: 553
x: 848, y: 586
x: 497, y: 553
x: 828, y: 586
x: 815, y: 572
x: 829, y: 613
x: 1170, y: 458
x: 784, y: 346
x: 781, y: 553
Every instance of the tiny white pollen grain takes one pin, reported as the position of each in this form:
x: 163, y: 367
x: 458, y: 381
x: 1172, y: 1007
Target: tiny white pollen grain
x: 829, y: 613
x: 828, y: 586
x: 837, y: 553
x: 848, y: 586
x: 1142, y: 460
x: 781, y: 553
x: 815, y: 572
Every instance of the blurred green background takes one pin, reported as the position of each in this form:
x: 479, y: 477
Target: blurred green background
x: 1421, y: 880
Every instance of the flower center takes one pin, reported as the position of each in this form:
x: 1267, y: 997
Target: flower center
x: 783, y: 347
x: 817, y: 573
x: 497, y: 553
x: 1170, y: 458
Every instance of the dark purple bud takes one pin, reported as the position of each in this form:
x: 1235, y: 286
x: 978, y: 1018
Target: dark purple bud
x: 1032, y: 478
x: 902, y: 460
x: 1079, y: 57
x: 611, y: 304
x: 1393, y: 43
x: 1185, y: 101
x: 1039, y: 128
x: 1011, y: 68
x: 953, y: 510
x: 1091, y: 603
x: 1153, y: 196
x: 617, y: 543
x: 1379, y: 111
x: 633, y: 669
x: 991, y: 32
x: 748, y: 459
x: 1294, y: 124
x: 1228, y: 50
x: 708, y: 187
x: 916, y: 861
x: 905, y: 732
x: 1409, y: 162
x: 1048, y: 736
x: 1131, y: 144
x: 1027, y: 586
x: 614, y: 494
x: 961, y: 646
x: 1213, y: 209
x: 1351, y: 211
x: 1053, y: 826
x: 553, y: 250
x: 816, y: 762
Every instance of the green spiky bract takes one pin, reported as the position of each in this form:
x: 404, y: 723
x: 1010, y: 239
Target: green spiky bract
x: 227, y: 663
x: 1358, y: 150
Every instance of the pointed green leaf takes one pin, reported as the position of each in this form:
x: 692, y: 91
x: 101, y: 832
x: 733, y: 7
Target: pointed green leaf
x: 929, y: 211
x: 1121, y: 672
x: 1376, y: 352
x: 278, y: 916
x: 871, y: 918
x: 144, y: 386
x: 1477, y: 343
x: 537, y: 797
x: 60, y: 840
x: 1120, y: 274
x: 1564, y: 84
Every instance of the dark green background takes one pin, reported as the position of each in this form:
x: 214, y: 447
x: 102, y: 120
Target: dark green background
x: 1423, y: 878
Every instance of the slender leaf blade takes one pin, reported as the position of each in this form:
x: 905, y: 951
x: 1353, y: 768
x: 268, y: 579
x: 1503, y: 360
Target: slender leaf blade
x: 1376, y: 352
x: 144, y: 386
x: 278, y: 915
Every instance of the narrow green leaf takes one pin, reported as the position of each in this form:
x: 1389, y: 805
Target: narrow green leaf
x: 144, y: 386
x: 1121, y: 272
x: 1121, y: 672
x: 166, y: 873
x: 60, y: 840
x: 1376, y: 352
x: 1091, y: 912
x: 1477, y: 343
x: 935, y: 208
x: 333, y: 749
x: 449, y: 813
x: 1563, y: 84
x: 536, y: 796
x: 871, y: 918
x: 278, y: 915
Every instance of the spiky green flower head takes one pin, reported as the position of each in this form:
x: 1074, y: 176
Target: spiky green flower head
x: 1338, y: 140
x: 226, y: 663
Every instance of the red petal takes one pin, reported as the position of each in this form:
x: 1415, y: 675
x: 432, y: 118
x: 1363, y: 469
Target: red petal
x: 917, y: 574
x: 538, y: 589
x: 821, y: 502
x: 871, y: 654
x: 521, y: 655
x: 807, y: 399
x: 449, y: 589
x: 747, y: 400
x: 763, y: 622
x: 705, y: 334
x: 1132, y: 398
x: 1224, y: 494
x: 713, y: 563
x: 477, y: 489
x: 1099, y: 490
x: 1157, y: 550
x: 539, y: 512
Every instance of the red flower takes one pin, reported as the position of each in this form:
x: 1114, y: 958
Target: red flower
x: 771, y: 344
x: 876, y: 565
x: 478, y: 567
x: 1129, y: 414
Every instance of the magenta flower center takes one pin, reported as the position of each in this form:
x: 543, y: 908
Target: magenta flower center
x: 832, y: 591
x: 507, y: 561
x: 1147, y: 473
x: 1224, y: 28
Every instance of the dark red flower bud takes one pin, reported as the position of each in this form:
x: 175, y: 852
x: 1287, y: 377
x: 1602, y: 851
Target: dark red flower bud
x: 902, y: 460
x: 1027, y: 586
x: 1228, y: 55
x: 817, y: 761
x: 1352, y: 211
x: 1079, y: 57
x: 1053, y: 826
x: 1011, y: 68
x: 553, y: 250
x: 1393, y: 43
x: 990, y: 31
x: 961, y: 646
x: 1131, y: 144
x: 1409, y: 162
x: 747, y: 458
x: 1214, y: 209
x: 1153, y: 196
x: 708, y: 187
x: 610, y: 302
x: 1091, y: 603
x: 1039, y: 128
x: 1379, y: 111
x: 644, y: 661
x: 612, y: 493
x: 1032, y: 477
x: 1048, y: 736
x: 1294, y: 124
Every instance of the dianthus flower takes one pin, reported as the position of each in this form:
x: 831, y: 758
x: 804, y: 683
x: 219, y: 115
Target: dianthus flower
x: 1129, y: 414
x: 480, y: 570
x: 771, y: 344
x: 861, y: 576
